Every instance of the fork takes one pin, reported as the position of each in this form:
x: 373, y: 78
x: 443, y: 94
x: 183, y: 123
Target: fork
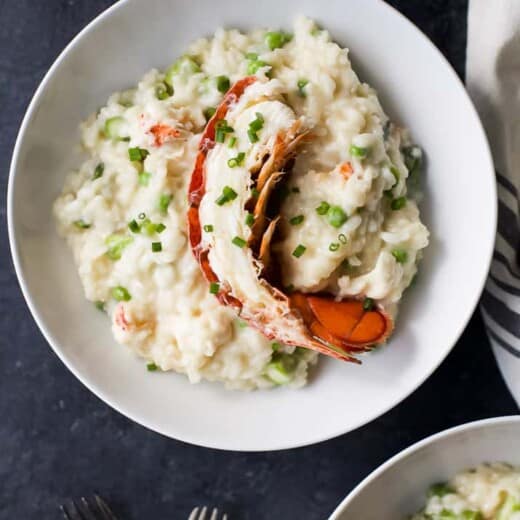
x: 93, y: 509
x: 200, y: 514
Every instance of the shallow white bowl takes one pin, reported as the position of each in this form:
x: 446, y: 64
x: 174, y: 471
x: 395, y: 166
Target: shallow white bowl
x: 418, y: 88
x: 397, y: 488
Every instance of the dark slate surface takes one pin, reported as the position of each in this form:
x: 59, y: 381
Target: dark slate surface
x: 57, y: 440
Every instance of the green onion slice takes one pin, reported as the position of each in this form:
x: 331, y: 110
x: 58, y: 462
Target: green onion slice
x: 223, y: 84
x: 323, y: 208
x: 398, y: 203
x: 239, y: 242
x: 299, y: 250
x: 98, y: 171
x: 121, y: 294
x: 368, y: 304
x: 250, y: 219
x: 228, y: 194
x: 400, y: 255
x: 81, y: 224
x: 164, y: 202
x: 297, y: 220
x: 358, y: 151
x: 336, y: 217
x: 137, y: 154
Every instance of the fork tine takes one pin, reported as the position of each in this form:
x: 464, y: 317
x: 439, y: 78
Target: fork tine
x: 103, y: 507
x: 71, y: 511
x: 203, y: 513
x: 194, y: 514
x: 86, y: 511
x: 65, y: 513
x: 214, y: 514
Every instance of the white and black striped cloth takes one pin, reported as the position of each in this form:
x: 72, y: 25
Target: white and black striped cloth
x: 493, y: 81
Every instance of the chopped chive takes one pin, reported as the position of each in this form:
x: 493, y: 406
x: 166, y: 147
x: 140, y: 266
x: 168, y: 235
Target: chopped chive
x: 255, y: 126
x: 152, y: 367
x: 156, y: 247
x: 228, y: 194
x: 323, y: 208
x: 358, y: 151
x: 209, y: 112
x: 276, y: 39
x: 334, y: 246
x: 148, y: 226
x: 134, y: 226
x: 100, y: 305
x: 242, y: 324
x: 239, y: 242
x: 299, y: 250
x: 301, y: 85
x: 208, y: 228
x: 159, y: 228
x: 81, y: 224
x: 388, y: 194
x: 255, y: 193
x: 258, y: 123
x: 276, y: 346
x: 252, y: 136
x: 214, y: 287
x: 297, y: 220
x: 184, y: 66
x: 142, y: 216
x: 144, y: 178
x: 368, y: 304
x: 163, y: 91
x: 342, y: 238
x: 121, y: 294
x: 222, y: 84
x: 395, y: 173
x: 220, y: 135
x: 440, y: 489
x: 98, y: 171
x: 116, y: 244
x: 114, y: 127
x: 254, y: 65
x: 232, y: 142
x: 398, y: 203
x: 223, y: 125
x: 400, y: 255
x: 250, y: 219
x: 164, y: 202
x: 137, y: 154
x: 336, y: 216
x: 252, y: 56
x: 237, y: 161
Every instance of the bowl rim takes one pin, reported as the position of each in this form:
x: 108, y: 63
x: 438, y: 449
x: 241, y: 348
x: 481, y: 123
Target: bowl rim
x: 138, y: 417
x: 416, y: 447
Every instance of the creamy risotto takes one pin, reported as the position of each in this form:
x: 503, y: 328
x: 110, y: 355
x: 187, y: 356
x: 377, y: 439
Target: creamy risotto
x: 488, y: 492
x: 347, y: 209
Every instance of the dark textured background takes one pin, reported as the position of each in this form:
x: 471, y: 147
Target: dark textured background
x: 57, y: 440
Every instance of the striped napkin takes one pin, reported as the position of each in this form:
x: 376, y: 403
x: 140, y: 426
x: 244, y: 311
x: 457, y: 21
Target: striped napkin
x: 493, y: 81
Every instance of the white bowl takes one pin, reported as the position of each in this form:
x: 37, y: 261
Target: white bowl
x: 397, y: 488
x: 418, y: 88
